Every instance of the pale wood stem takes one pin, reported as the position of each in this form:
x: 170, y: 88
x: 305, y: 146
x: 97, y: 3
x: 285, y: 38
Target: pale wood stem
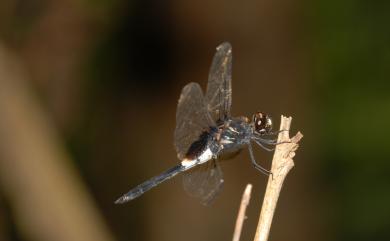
x: 281, y: 164
x: 246, y: 196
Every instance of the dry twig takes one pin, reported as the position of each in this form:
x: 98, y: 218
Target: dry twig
x: 281, y: 164
x: 246, y: 196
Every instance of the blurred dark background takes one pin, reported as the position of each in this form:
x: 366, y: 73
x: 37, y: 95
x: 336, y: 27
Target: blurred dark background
x: 88, y: 94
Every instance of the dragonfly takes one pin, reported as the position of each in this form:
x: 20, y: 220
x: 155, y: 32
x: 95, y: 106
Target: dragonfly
x: 207, y: 133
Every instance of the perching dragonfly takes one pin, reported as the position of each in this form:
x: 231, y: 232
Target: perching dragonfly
x: 206, y: 132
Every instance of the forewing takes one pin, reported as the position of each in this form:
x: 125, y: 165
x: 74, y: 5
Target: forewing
x: 219, y: 87
x: 192, y: 118
x: 204, y: 181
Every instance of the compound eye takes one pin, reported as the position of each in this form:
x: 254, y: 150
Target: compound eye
x: 268, y: 126
x: 260, y: 122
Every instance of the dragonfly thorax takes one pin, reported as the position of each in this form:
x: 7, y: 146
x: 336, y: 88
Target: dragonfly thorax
x: 234, y: 134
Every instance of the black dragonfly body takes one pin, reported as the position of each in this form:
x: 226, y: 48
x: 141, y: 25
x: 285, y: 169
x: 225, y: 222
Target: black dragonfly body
x: 206, y: 132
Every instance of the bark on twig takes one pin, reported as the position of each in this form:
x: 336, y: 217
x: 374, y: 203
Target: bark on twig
x: 281, y: 164
x: 246, y: 196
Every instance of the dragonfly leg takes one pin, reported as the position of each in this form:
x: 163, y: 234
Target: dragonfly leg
x: 255, y: 164
x: 258, y: 142
x: 269, y: 142
x: 273, y: 133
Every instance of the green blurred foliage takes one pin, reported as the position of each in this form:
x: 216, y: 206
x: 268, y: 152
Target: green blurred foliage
x: 352, y: 54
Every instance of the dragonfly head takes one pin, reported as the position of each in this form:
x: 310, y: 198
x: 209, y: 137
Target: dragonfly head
x: 262, y: 123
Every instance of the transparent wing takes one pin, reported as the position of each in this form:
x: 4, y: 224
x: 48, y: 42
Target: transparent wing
x: 204, y: 181
x: 219, y: 88
x: 192, y: 118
